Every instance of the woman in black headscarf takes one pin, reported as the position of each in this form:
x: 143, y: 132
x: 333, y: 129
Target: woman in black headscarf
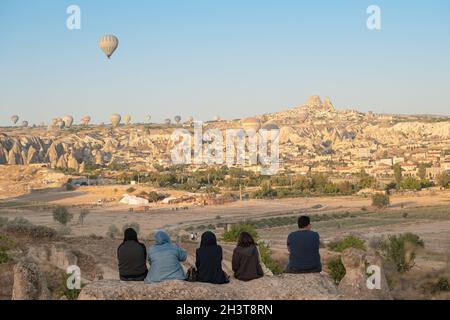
x: 132, y: 258
x: 209, y: 260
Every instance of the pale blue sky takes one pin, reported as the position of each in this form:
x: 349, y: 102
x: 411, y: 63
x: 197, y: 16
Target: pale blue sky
x: 230, y: 58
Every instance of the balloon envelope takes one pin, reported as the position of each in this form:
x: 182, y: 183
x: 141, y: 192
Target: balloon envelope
x: 14, y: 119
x: 108, y: 44
x: 127, y: 119
x: 68, y: 121
x: 115, y: 119
x: 24, y: 124
x: 177, y: 119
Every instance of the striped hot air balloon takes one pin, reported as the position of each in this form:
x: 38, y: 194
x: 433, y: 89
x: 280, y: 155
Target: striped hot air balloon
x: 108, y: 44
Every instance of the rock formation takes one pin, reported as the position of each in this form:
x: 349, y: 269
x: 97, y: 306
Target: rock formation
x: 29, y: 283
x: 285, y: 287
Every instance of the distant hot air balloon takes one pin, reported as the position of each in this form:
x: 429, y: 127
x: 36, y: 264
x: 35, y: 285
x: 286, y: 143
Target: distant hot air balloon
x: 108, y: 44
x: 168, y: 122
x: 190, y: 120
x: 149, y: 118
x: 127, y: 119
x: 177, y: 119
x: 216, y: 118
x: 14, y: 119
x: 24, y: 124
x: 251, y: 124
x: 85, y: 120
x: 68, y: 121
x: 115, y: 119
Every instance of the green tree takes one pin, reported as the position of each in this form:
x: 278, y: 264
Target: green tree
x: 62, y: 215
x: 380, y: 200
x: 443, y: 180
x: 397, y: 173
x: 401, y: 250
x: 410, y: 183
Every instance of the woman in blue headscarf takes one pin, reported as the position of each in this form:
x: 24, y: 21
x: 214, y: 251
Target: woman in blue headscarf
x: 165, y: 260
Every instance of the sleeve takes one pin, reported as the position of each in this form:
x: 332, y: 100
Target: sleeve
x: 182, y: 255
x: 197, y: 260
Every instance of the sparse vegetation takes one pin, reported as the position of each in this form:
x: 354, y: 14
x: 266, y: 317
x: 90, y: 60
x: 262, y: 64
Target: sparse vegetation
x: 337, y: 270
x: 62, y: 215
x: 348, y: 242
x: 442, y: 285
x: 83, y: 214
x: 232, y: 235
x: 131, y: 190
x: 22, y: 226
x: 112, y: 232
x: 63, y: 291
x: 266, y: 258
x: 400, y: 250
x: 380, y: 201
x: 69, y: 187
x: 5, y: 246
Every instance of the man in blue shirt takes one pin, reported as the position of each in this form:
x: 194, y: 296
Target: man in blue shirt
x: 303, y: 246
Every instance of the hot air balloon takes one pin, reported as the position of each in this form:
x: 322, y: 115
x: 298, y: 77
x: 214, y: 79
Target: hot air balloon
x: 85, y: 120
x: 190, y: 120
x: 24, y: 124
x: 127, y: 119
x: 177, y: 119
x: 56, y: 120
x: 168, y: 122
x: 251, y: 124
x: 216, y: 118
x: 149, y: 118
x: 115, y: 119
x: 68, y: 121
x: 14, y: 119
x: 108, y: 44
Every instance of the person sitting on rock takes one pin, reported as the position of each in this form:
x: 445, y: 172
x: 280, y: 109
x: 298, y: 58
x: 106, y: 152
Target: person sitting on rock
x: 245, y: 262
x: 131, y: 255
x: 209, y: 260
x: 165, y: 260
x: 303, y: 246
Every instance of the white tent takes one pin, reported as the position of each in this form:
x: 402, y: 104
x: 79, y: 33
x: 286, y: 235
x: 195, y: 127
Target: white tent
x: 133, y: 200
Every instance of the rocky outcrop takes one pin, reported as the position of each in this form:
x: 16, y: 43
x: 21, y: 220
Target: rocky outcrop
x: 29, y: 282
x: 55, y: 254
x: 285, y: 287
x: 354, y: 283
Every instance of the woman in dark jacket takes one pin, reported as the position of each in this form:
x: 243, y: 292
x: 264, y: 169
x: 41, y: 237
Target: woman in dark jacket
x: 132, y: 258
x: 209, y: 260
x: 245, y: 263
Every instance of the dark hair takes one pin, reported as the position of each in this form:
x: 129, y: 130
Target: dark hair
x: 245, y: 240
x: 303, y: 222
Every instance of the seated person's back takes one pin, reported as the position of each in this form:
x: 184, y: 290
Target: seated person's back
x: 131, y: 256
x: 303, y: 245
x: 165, y: 260
x: 245, y: 262
x: 209, y: 260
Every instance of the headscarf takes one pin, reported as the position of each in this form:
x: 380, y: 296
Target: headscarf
x: 161, y: 237
x: 208, y: 239
x: 130, y: 235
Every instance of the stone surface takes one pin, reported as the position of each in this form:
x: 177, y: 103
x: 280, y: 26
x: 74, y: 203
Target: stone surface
x: 29, y: 283
x: 290, y: 287
x: 354, y: 283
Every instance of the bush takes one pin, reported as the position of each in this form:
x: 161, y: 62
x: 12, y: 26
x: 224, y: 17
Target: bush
x: 5, y: 245
x: 131, y: 190
x: 266, y: 258
x: 24, y: 227
x: 442, y: 285
x: 380, y: 200
x: 83, y: 215
x: 337, y: 270
x: 133, y: 225
x: 65, y: 231
x: 62, y: 215
x: 63, y: 291
x: 69, y: 187
x: 401, y: 250
x: 233, y: 234
x: 112, y: 232
x: 348, y: 242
